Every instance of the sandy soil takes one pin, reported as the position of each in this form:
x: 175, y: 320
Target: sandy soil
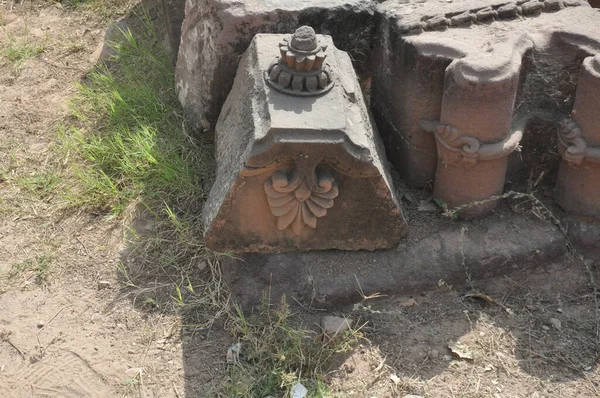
x: 69, y: 328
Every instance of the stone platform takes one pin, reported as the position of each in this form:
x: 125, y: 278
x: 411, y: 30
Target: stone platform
x: 439, y: 249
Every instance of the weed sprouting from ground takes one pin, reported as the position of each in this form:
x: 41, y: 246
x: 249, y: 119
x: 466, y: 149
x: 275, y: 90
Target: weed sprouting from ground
x: 36, y: 269
x: 21, y: 49
x: 276, y: 354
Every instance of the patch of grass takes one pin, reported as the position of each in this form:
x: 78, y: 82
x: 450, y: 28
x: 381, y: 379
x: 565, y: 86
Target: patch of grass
x: 21, y: 49
x: 105, y: 8
x: 37, y: 268
x: 132, y: 136
x: 130, y: 151
x: 276, y: 354
x: 42, y: 185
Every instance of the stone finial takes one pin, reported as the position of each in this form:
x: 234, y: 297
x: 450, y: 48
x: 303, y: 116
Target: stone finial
x: 300, y: 69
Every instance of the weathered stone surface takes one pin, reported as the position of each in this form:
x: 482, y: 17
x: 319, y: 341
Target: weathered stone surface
x: 584, y: 233
x: 174, y: 13
x: 578, y: 182
x: 491, y: 247
x: 299, y: 171
x: 215, y: 33
x: 452, y: 104
x: 334, y: 326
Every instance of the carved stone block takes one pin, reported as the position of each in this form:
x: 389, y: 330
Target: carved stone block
x: 300, y: 166
x: 453, y: 104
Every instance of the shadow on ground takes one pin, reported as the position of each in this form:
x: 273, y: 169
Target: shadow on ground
x: 531, y: 332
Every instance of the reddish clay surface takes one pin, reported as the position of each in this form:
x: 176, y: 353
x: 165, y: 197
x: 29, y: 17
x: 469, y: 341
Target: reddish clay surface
x: 578, y: 183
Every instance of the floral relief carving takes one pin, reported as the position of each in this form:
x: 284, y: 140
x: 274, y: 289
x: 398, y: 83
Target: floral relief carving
x: 297, y: 200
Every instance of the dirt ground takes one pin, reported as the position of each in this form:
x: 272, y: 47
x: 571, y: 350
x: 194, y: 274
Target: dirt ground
x: 69, y: 328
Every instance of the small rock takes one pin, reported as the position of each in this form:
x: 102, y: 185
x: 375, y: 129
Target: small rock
x: 96, y: 348
x: 544, y: 327
x: 103, y: 285
x: 461, y: 351
x: 202, y: 265
x: 448, y: 357
x: 298, y: 391
x: 130, y: 352
x: 335, y: 325
x: 408, y: 197
x: 41, y: 324
x: 408, y: 303
x: 556, y: 323
x: 531, y: 307
x: 133, y: 372
x: 427, y: 206
x: 434, y: 353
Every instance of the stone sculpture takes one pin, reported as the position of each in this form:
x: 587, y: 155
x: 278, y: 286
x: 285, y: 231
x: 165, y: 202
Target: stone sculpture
x: 461, y: 91
x: 453, y: 103
x: 299, y: 165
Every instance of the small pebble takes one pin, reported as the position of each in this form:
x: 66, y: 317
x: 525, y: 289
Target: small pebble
x: 335, y: 325
x: 556, y: 323
x: 103, y: 285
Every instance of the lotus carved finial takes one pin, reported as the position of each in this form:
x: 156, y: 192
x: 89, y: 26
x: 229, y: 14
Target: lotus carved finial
x: 300, y: 69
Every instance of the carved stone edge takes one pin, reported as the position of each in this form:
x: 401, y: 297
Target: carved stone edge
x: 489, y: 75
x: 573, y: 146
x: 297, y: 200
x: 470, y: 148
x: 301, y: 93
x: 488, y: 14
